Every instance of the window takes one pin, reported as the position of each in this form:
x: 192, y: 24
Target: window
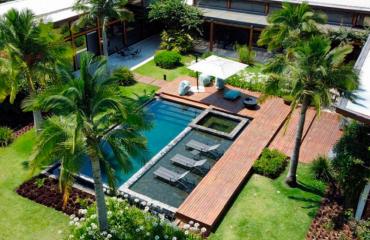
x: 253, y: 7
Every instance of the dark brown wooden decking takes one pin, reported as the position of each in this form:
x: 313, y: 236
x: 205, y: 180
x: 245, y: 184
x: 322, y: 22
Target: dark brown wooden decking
x: 212, y: 195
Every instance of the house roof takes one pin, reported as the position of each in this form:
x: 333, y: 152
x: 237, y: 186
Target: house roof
x: 354, y: 5
x: 360, y: 110
x: 53, y: 11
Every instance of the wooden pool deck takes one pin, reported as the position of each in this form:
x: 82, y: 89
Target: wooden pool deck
x: 207, y: 203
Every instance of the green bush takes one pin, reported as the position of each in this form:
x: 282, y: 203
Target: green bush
x: 246, y: 55
x: 125, y: 223
x: 271, y: 163
x: 124, y: 76
x: 167, y: 59
x: 320, y: 168
x: 174, y: 40
x: 351, y: 163
x: 6, y: 136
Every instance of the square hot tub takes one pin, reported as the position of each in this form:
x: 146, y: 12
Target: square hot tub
x: 219, y: 123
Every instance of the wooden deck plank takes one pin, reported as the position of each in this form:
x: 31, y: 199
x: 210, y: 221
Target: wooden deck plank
x: 284, y: 140
x: 322, y: 136
x: 212, y: 195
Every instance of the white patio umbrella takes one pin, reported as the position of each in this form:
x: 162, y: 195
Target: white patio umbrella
x: 217, y: 67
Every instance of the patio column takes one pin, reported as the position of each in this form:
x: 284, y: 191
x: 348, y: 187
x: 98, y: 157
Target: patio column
x: 99, y: 36
x: 228, y: 3
x: 124, y: 33
x: 250, y: 37
x: 267, y: 8
x: 211, y: 33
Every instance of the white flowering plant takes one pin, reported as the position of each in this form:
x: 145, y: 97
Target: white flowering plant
x: 125, y: 223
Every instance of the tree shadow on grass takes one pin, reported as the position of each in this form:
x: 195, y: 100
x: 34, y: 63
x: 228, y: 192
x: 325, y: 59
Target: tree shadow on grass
x: 310, y: 189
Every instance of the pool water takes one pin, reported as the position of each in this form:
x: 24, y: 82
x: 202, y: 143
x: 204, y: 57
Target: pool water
x: 169, y: 119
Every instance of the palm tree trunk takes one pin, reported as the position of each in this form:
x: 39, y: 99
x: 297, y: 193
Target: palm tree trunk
x: 101, y: 208
x: 37, y: 117
x: 37, y: 120
x: 291, y: 179
x: 105, y: 39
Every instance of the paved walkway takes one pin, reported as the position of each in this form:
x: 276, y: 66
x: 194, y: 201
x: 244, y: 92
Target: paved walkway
x: 147, y: 46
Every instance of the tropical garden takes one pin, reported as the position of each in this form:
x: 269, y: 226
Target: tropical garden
x: 77, y: 115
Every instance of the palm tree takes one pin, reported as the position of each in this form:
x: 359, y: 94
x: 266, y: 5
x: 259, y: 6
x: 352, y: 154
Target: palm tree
x: 310, y: 75
x: 31, y: 52
x: 101, y: 11
x: 289, y: 25
x: 89, y: 115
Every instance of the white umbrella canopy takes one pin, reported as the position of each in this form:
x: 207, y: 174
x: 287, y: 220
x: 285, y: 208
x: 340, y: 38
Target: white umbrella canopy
x: 218, y: 67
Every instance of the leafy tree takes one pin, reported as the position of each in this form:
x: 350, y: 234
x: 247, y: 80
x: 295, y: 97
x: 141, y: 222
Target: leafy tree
x: 31, y: 52
x: 291, y: 24
x: 101, y: 11
x: 89, y: 115
x: 310, y: 74
x: 175, y: 14
x: 179, y: 21
x: 351, y: 163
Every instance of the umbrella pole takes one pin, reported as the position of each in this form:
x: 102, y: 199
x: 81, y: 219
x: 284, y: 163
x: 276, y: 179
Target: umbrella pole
x: 197, y: 81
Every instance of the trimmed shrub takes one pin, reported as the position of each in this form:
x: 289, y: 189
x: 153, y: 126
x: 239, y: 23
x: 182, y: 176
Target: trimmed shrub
x: 167, y: 59
x: 320, y: 168
x: 246, y: 55
x: 126, y: 222
x: 6, y: 136
x: 271, y: 163
x: 123, y: 76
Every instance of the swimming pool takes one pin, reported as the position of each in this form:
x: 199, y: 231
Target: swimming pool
x: 168, y: 119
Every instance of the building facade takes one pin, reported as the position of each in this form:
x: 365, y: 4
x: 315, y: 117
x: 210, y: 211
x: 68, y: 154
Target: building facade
x: 241, y: 21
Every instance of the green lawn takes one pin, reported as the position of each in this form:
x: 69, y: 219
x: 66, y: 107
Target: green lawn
x: 151, y: 70
x: 268, y: 209
x: 21, y: 218
x: 138, y: 89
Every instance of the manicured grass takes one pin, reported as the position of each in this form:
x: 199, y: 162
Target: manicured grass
x: 151, y: 70
x: 268, y: 209
x: 139, y: 89
x: 21, y: 218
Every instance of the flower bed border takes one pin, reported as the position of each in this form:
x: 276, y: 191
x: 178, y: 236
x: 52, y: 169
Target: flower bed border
x: 49, y: 195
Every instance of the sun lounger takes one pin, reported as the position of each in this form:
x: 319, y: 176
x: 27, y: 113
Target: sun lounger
x: 204, y: 148
x: 190, y: 163
x: 174, y: 178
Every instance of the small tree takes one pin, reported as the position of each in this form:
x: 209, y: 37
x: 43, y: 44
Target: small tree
x: 179, y: 21
x: 87, y: 111
x: 291, y: 24
x: 351, y: 163
x: 175, y: 14
x: 246, y: 55
x: 30, y: 56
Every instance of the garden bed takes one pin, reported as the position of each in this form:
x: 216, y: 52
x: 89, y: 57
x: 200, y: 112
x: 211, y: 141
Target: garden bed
x: 45, y: 190
x: 330, y: 221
